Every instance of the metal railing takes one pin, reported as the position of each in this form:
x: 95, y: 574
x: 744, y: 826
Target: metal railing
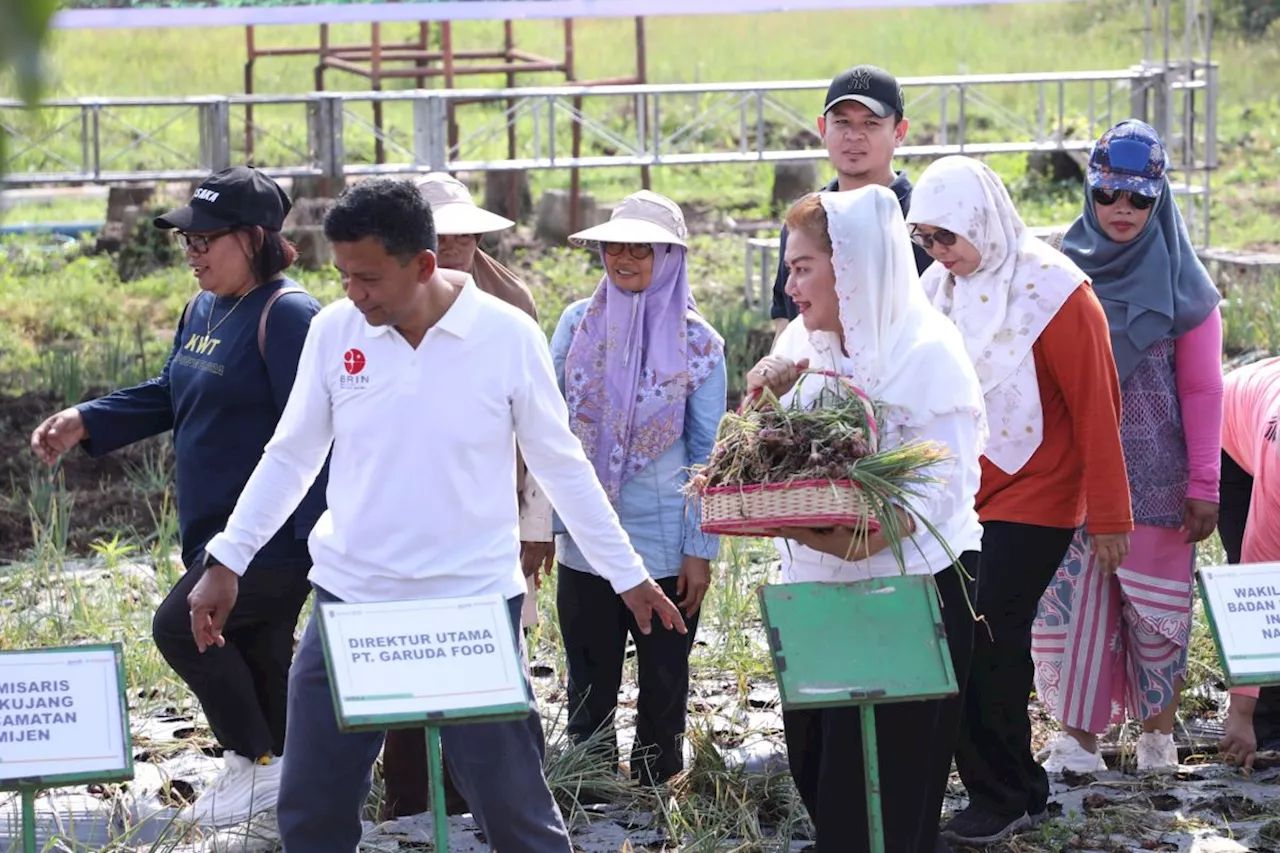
x: 109, y: 140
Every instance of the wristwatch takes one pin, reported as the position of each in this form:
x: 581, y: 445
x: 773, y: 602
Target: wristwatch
x: 208, y: 561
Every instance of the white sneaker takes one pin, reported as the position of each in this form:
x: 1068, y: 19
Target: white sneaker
x: 1156, y: 752
x: 1065, y: 753
x: 243, y: 789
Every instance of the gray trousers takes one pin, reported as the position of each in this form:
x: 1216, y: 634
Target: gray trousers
x: 328, y: 774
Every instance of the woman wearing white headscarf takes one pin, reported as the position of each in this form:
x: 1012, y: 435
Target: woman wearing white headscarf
x: 1038, y: 338
x: 853, y: 277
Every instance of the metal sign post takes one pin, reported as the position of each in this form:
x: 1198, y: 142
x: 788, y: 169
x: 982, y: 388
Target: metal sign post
x: 889, y: 646
x: 431, y: 663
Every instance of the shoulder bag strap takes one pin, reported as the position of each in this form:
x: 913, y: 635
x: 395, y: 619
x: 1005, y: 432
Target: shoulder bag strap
x: 266, y: 309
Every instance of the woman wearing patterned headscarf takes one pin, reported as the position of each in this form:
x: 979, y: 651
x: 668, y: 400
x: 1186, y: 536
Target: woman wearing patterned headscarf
x: 1107, y: 641
x: 852, y: 274
x: 644, y: 378
x: 1038, y: 339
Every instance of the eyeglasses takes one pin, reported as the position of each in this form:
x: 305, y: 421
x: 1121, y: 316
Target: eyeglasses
x: 639, y: 251
x: 941, y: 236
x: 1136, y: 200
x: 199, y: 243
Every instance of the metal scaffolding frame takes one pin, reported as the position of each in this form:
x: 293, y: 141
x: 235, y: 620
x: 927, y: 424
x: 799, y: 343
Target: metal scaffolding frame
x: 123, y: 140
x: 1183, y: 106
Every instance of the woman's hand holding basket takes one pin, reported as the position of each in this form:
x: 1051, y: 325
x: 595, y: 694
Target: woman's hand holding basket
x: 775, y: 372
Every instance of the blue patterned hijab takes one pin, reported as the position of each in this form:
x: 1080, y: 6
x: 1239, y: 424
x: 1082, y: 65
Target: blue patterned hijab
x: 1153, y: 287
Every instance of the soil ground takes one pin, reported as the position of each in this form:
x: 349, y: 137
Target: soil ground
x: 105, y: 499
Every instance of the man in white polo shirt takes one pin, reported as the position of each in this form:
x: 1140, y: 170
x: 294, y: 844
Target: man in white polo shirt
x: 423, y: 384
x: 459, y: 225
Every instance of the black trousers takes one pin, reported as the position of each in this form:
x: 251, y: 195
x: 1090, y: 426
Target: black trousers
x: 594, y: 623
x: 1236, y: 489
x: 915, y: 741
x: 1236, y: 495
x: 993, y: 754
x: 243, y: 686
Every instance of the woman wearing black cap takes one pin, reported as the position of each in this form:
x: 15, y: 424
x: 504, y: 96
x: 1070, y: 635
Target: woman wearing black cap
x: 221, y: 391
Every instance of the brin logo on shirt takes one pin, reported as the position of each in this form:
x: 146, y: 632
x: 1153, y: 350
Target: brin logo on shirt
x: 353, y: 363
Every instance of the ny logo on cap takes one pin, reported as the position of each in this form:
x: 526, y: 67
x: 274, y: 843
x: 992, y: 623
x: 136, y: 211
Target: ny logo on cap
x: 205, y: 195
x: 860, y: 79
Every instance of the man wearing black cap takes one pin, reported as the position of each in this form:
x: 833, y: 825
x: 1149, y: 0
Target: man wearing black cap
x: 861, y: 125
x: 221, y: 392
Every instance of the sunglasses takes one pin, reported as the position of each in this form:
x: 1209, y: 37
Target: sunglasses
x: 1136, y: 200
x: 941, y: 236
x: 199, y: 243
x: 639, y: 251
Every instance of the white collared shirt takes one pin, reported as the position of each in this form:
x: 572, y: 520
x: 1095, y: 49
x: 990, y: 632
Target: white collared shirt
x: 422, y: 498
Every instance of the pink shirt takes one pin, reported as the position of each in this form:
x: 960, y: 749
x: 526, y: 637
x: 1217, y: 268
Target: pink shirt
x: 1198, y: 367
x: 1251, y: 407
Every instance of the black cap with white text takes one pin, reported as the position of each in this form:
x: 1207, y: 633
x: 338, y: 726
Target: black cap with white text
x: 236, y: 197
x: 873, y: 87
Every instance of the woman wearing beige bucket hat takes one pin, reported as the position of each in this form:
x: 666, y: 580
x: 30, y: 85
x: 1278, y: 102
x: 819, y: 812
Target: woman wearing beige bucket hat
x: 644, y: 379
x: 460, y: 224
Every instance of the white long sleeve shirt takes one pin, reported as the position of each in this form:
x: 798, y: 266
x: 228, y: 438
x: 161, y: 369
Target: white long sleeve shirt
x: 422, y: 495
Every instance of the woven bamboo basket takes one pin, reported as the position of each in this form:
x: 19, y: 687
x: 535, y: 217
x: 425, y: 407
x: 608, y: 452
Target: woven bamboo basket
x: 752, y: 509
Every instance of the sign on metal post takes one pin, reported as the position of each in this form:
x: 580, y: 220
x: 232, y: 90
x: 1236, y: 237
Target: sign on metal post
x: 414, y: 664
x: 64, y: 720
x: 864, y: 643
x: 1243, y: 606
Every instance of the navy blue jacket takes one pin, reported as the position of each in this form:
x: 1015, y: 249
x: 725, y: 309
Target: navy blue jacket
x: 222, y: 401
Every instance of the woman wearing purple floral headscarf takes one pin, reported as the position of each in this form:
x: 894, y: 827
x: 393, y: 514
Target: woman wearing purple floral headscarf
x: 643, y: 375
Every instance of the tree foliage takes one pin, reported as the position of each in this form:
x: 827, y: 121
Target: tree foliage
x: 1251, y: 17
x: 23, y: 27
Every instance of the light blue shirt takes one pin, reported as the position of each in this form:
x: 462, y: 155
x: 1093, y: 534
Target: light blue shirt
x: 664, y: 528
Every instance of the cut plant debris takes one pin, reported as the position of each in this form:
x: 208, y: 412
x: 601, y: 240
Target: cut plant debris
x: 819, y: 466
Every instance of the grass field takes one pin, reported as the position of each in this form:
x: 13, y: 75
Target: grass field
x: 69, y: 326
x: 1017, y: 38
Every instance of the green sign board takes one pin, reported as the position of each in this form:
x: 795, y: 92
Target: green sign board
x: 867, y: 642
x: 64, y: 720
x: 1243, y: 606
x: 862, y: 643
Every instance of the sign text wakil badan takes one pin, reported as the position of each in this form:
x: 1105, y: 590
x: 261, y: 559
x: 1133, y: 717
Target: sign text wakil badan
x: 414, y: 647
x: 1262, y: 600
x: 1244, y: 608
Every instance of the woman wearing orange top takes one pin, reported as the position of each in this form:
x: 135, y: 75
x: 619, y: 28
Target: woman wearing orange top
x: 1039, y: 340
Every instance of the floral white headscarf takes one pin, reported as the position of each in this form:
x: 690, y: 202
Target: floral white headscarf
x: 1002, y: 309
